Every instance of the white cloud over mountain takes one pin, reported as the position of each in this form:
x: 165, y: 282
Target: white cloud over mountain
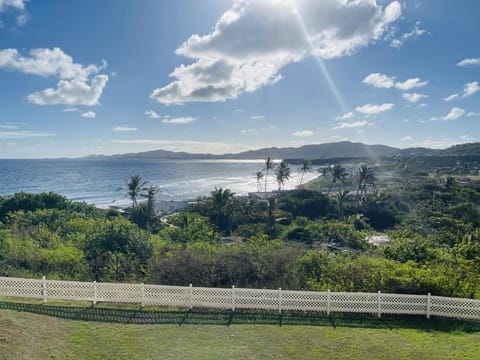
x: 253, y: 40
x: 303, y: 133
x: 346, y: 125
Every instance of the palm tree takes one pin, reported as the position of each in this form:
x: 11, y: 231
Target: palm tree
x: 220, y: 198
x: 365, y: 177
x: 268, y: 166
x: 283, y: 174
x: 306, y: 167
x: 151, y: 192
x: 341, y: 198
x: 338, y: 173
x: 259, y: 175
x: 134, y: 187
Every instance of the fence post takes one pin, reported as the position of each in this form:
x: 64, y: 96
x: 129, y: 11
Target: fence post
x: 94, y: 293
x: 190, y: 299
x: 428, y: 305
x: 379, y: 304
x: 328, y: 302
x: 233, y: 297
x: 142, y: 288
x: 279, y: 300
x: 44, y: 289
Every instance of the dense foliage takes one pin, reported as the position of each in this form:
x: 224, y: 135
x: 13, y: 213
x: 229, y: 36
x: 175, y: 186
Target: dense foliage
x: 300, y: 239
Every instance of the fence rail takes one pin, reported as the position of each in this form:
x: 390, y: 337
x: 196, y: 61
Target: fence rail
x: 237, y: 298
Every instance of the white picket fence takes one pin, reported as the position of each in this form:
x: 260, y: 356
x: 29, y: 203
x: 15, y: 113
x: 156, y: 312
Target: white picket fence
x: 237, y: 298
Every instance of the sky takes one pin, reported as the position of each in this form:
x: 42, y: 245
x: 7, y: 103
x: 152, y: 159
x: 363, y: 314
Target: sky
x: 217, y: 76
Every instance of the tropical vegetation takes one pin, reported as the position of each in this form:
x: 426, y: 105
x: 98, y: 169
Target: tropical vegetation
x: 297, y: 239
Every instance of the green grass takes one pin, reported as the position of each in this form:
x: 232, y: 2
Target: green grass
x: 36, y: 331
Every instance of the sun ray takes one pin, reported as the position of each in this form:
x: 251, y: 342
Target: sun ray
x: 320, y: 62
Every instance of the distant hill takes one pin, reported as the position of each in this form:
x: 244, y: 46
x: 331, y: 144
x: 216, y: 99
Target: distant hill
x: 329, y: 150
x: 470, y: 149
x: 343, y: 149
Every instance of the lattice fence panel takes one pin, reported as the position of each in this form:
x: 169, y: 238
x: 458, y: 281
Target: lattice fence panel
x: 257, y: 299
x: 354, y: 302
x: 455, y: 307
x: 167, y: 295
x: 31, y: 288
x: 126, y: 293
x: 70, y: 290
x: 213, y: 297
x: 403, y: 304
x: 304, y: 300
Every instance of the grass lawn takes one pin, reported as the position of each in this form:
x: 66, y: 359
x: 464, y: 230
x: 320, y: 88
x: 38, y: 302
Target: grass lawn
x: 33, y: 331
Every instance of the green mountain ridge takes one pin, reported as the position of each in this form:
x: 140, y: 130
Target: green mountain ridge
x: 343, y: 149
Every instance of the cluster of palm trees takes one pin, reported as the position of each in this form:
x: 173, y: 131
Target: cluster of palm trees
x: 364, y: 178
x: 282, y: 173
x: 136, y: 188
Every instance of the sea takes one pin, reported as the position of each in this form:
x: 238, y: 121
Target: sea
x: 102, y: 182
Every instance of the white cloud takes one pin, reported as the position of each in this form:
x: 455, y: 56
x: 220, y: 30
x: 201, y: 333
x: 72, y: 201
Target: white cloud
x: 70, y: 110
x: 257, y: 117
x: 179, y: 120
x: 469, y: 62
x: 247, y: 131
x: 8, y: 126
x: 89, y: 115
x: 442, y: 142
x: 72, y: 92
x: 124, y: 128
x: 346, y: 116
x: 152, y: 114
x: 422, y: 105
x: 468, y: 138
x: 253, y: 40
x: 415, y: 33
x: 406, y: 138
x: 414, y: 97
x: 410, y: 84
x: 468, y: 90
x: 46, y: 62
x: 303, y: 133
x: 356, y: 124
x: 370, y: 109
x: 472, y: 114
x: 452, y: 97
x: 16, y: 4
x: 23, y: 19
x: 186, y: 145
x: 23, y: 134
x: 76, y: 85
x: 383, y: 81
x: 454, y: 114
x: 379, y: 81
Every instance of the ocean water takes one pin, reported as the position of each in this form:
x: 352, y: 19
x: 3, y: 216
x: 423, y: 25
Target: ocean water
x: 103, y: 182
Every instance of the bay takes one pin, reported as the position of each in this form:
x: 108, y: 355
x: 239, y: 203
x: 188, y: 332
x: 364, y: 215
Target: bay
x: 103, y: 182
